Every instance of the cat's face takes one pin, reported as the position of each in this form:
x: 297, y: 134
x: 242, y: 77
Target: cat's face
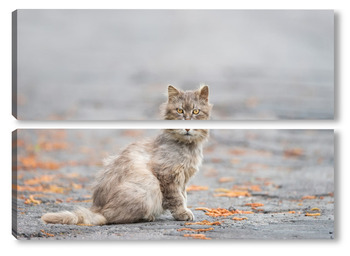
x: 188, y: 105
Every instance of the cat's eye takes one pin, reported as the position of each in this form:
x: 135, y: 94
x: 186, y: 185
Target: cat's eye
x: 195, y: 111
x: 179, y: 110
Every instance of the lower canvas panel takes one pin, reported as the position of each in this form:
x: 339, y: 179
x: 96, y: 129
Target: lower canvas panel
x: 268, y: 184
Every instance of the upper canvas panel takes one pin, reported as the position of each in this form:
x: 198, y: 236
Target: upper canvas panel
x: 117, y: 64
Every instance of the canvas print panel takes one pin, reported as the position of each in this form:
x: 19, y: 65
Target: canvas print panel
x: 117, y: 64
x: 252, y: 184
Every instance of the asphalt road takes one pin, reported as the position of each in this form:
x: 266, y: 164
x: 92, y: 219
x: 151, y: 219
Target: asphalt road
x: 288, y: 174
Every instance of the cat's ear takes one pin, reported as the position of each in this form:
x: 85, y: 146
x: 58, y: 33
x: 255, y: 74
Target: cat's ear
x: 172, y: 92
x: 204, y: 92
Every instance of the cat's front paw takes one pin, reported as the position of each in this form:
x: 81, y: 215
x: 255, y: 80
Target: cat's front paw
x: 184, y: 215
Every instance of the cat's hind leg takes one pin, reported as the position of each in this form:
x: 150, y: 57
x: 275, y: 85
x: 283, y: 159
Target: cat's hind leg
x: 131, y: 202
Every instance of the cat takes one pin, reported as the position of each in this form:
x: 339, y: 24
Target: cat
x: 149, y: 176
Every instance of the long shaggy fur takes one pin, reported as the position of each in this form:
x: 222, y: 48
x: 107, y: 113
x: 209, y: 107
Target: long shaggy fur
x: 79, y: 216
x: 149, y: 176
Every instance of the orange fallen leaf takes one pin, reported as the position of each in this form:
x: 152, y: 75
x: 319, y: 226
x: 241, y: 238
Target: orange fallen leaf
x: 197, y: 236
x: 32, y: 200
x: 247, y: 187
x: 239, y: 219
x: 187, y: 229
x: 234, y: 193
x: 291, y: 212
x: 49, y: 165
x: 77, y: 186
x: 28, y: 162
x: 43, y: 178
x: 254, y: 205
x: 58, y: 201
x: 315, y: 209
x: 47, y: 234
x: 28, y: 188
x: 55, y: 189
x: 254, y: 188
x: 294, y: 152
x: 308, y: 197
x: 238, y: 152
x: 196, y: 230
x: 225, y: 179
x: 204, y: 222
x: 312, y: 214
x: 31, y: 162
x: 224, y: 190
x: 196, y: 188
x: 49, y: 189
x: 221, y: 212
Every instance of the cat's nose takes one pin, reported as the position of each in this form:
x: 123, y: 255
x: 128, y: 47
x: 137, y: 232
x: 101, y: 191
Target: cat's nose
x: 187, y: 130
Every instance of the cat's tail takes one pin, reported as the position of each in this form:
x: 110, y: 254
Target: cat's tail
x: 79, y: 216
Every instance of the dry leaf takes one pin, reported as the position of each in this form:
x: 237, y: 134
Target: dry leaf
x: 224, y: 190
x: 294, y: 152
x: 239, y: 219
x: 197, y: 236
x: 204, y: 222
x: 196, y: 188
x: 238, y: 152
x: 43, y: 178
x: 30, y: 162
x: 236, y: 193
x: 315, y: 209
x: 226, y: 179
x: 47, y: 234
x: 312, y: 214
x: 32, y: 200
x: 308, y: 197
x: 55, y: 189
x: 77, y: 186
x: 196, y: 230
x: 28, y: 188
x: 221, y: 212
x: 254, y: 205
x: 247, y: 187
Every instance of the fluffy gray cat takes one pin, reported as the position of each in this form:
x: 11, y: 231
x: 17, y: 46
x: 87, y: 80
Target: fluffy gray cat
x: 149, y: 176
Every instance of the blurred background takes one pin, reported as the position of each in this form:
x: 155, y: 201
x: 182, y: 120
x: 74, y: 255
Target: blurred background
x: 116, y: 64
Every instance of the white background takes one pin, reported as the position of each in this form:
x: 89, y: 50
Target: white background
x: 339, y: 246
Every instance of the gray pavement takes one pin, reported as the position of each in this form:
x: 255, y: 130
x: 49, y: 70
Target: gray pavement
x: 290, y: 172
x: 116, y: 64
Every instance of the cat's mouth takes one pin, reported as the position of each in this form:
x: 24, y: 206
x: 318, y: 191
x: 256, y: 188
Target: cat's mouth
x: 188, y: 133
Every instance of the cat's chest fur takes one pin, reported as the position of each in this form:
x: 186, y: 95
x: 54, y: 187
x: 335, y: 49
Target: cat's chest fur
x: 190, y: 157
x: 176, y: 162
